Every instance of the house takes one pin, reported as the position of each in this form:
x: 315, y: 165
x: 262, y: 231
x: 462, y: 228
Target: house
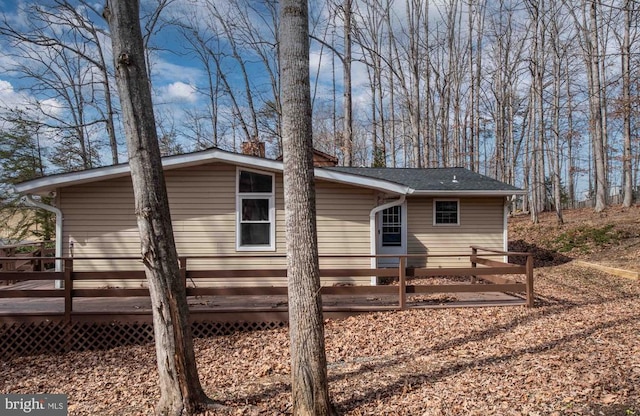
x: 232, y: 205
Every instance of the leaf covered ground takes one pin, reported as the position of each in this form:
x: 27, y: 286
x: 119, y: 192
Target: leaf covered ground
x: 576, y: 353
x: 611, y: 237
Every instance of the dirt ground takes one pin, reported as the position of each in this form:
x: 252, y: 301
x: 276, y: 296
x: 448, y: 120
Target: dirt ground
x: 575, y: 353
x: 610, y: 238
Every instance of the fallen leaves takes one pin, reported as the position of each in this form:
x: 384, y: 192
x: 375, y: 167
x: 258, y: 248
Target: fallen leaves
x: 576, y: 353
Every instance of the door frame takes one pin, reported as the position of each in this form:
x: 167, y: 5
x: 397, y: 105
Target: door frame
x: 402, y: 248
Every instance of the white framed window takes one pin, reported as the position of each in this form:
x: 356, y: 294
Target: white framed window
x: 392, y: 227
x: 446, y: 212
x: 255, y: 211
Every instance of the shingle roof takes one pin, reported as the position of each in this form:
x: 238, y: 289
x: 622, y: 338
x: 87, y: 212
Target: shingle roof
x: 390, y: 180
x: 433, y: 179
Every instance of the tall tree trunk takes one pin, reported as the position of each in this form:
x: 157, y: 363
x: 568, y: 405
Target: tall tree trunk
x: 626, y: 107
x: 557, y: 185
x: 180, y: 389
x: 310, y: 392
x: 595, y: 99
x: 347, y: 135
x: 571, y: 168
x: 414, y: 15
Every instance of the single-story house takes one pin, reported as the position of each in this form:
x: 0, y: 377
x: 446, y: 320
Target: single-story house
x: 229, y: 204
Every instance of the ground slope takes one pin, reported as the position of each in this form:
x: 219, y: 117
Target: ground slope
x: 576, y: 353
x: 611, y: 237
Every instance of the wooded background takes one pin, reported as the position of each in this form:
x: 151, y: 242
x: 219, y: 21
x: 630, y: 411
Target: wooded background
x: 542, y: 94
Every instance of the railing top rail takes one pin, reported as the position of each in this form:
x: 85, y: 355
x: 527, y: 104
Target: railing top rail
x: 282, y: 256
x: 501, y: 252
x: 34, y: 243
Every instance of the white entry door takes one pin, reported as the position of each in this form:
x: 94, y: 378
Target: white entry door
x: 392, y: 234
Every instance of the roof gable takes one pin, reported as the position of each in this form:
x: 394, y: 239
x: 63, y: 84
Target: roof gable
x: 50, y: 183
x: 399, y: 181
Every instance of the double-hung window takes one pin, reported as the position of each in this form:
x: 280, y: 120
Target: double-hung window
x: 255, y: 211
x: 446, y: 212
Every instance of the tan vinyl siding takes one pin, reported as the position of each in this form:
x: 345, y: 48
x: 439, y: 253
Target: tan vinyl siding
x: 99, y: 220
x: 343, y: 220
x: 481, y: 224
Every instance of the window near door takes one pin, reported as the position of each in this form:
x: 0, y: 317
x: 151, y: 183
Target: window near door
x: 446, y: 212
x: 255, y: 211
x: 392, y: 227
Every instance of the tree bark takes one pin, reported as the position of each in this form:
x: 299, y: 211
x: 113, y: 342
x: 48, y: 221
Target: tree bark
x: 347, y: 135
x: 595, y: 99
x: 310, y: 393
x: 626, y: 107
x: 558, y: 52
x: 181, y: 392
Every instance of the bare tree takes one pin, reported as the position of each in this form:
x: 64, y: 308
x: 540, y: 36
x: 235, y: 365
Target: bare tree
x: 308, y: 360
x: 477, y: 10
x: 537, y: 13
x: 414, y: 19
x: 180, y: 389
x: 588, y: 28
x: 347, y: 103
x: 626, y: 104
x: 63, y: 39
x: 503, y: 64
x: 368, y: 35
x: 559, y: 50
x: 205, y: 54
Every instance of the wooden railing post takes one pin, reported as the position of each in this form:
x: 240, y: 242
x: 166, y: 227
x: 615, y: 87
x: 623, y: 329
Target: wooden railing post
x: 529, y: 271
x: 68, y: 289
x: 474, y: 256
x: 38, y: 262
x: 10, y: 265
x: 182, y: 261
x: 402, y: 282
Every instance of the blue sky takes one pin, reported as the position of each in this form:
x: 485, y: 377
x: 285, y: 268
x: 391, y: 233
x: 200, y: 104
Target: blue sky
x: 178, y: 78
x: 180, y: 81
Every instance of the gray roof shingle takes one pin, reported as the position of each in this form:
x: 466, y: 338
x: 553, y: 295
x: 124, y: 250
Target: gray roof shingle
x: 432, y: 179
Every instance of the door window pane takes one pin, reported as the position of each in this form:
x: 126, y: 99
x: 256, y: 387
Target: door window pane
x: 392, y: 227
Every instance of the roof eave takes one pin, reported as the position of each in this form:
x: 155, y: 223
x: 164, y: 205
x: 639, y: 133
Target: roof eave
x: 360, y: 180
x: 51, y: 183
x: 453, y: 193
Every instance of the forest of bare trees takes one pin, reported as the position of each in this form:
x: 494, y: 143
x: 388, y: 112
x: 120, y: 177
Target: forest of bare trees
x: 541, y: 94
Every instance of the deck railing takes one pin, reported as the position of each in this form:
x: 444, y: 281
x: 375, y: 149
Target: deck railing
x: 87, y: 319
x: 26, y: 257
x: 485, y: 274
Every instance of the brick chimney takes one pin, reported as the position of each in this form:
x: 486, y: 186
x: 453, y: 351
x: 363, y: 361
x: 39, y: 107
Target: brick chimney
x: 320, y: 159
x: 253, y: 148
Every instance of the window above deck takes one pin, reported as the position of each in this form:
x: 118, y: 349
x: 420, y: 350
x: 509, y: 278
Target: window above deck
x: 446, y: 212
x: 255, y: 211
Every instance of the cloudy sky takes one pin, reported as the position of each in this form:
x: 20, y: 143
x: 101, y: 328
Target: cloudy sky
x: 179, y: 79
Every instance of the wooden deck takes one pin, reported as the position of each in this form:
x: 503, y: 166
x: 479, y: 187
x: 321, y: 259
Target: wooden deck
x: 486, y: 282
x: 366, y: 302
x: 37, y: 318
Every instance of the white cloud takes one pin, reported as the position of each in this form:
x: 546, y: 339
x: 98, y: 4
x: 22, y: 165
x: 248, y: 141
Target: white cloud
x: 11, y: 99
x: 165, y: 71
x: 52, y: 107
x: 320, y: 58
x: 178, y: 91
